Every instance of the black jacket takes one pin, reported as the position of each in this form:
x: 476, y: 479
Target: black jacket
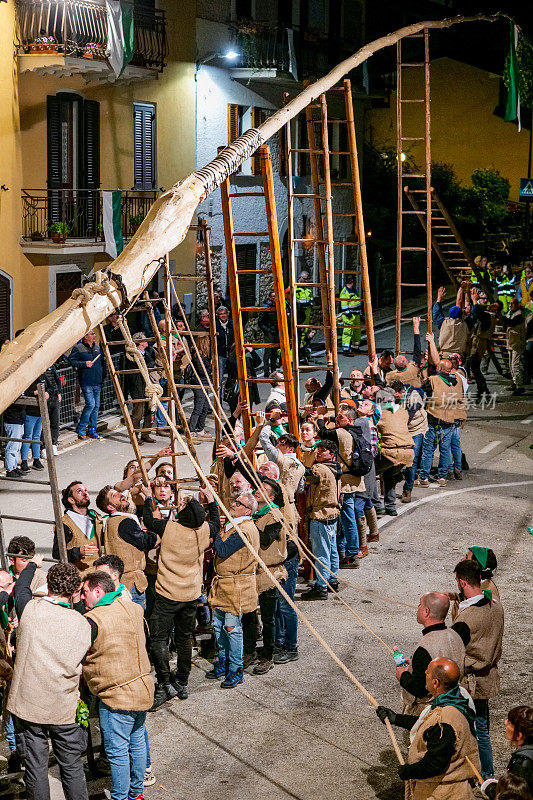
x: 225, y: 338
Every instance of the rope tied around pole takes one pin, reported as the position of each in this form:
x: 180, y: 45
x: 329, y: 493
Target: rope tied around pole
x: 85, y: 294
x: 153, y: 392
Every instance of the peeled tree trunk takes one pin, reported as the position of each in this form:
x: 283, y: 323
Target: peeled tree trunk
x: 164, y: 228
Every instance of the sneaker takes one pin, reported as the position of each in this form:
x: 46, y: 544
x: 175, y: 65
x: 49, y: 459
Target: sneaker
x: 233, y: 679
x: 136, y: 796
x: 314, y: 594
x: 416, y: 481
x: 92, y: 434
x: 423, y: 482
x: 14, y: 473
x: 263, y: 665
x: 285, y: 656
x: 37, y: 464
x: 163, y: 692
x: 149, y: 777
x: 81, y: 435
x: 380, y: 512
x: 457, y: 474
x: 249, y: 659
x: 406, y: 496
x: 181, y: 688
x: 391, y: 512
x: 333, y: 586
x: 442, y: 481
x: 363, y: 552
x: 24, y: 466
x: 55, y: 450
x: 350, y: 563
x: 218, y: 671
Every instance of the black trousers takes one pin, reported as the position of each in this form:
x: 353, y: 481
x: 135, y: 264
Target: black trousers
x: 270, y: 360
x: 268, y: 603
x: 68, y: 744
x: 249, y: 632
x: 481, y: 383
x: 181, y: 616
x: 53, y: 413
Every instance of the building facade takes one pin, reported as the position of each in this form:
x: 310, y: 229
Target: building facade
x: 73, y: 126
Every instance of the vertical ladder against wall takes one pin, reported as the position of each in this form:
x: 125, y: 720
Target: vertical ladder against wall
x: 327, y: 242
x: 409, y: 182
x: 237, y: 309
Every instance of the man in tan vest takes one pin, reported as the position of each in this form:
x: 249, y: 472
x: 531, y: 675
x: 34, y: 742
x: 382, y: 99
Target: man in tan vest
x: 273, y: 551
x: 124, y: 537
x: 117, y: 672
x: 445, y: 396
x: 52, y: 642
x: 22, y: 549
x: 453, y: 330
x: 234, y: 589
x: 291, y: 469
x: 83, y: 528
x: 397, y: 447
x: 413, y: 401
x: 408, y: 372
x: 480, y: 624
x: 178, y: 587
x: 437, y: 641
x: 442, y: 738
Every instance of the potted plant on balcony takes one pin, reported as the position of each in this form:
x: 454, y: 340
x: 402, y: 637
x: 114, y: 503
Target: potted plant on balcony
x: 59, y: 232
x: 135, y: 222
x: 44, y: 44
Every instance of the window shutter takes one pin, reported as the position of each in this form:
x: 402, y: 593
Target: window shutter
x: 91, y: 120
x: 5, y: 308
x: 233, y: 122
x: 53, y: 155
x: 247, y: 259
x: 144, y: 146
x: 258, y: 116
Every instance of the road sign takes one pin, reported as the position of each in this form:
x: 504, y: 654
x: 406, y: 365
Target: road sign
x: 526, y: 188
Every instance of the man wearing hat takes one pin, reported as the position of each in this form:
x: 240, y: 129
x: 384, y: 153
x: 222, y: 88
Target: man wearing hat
x: 324, y: 510
x: 135, y: 387
x: 453, y: 330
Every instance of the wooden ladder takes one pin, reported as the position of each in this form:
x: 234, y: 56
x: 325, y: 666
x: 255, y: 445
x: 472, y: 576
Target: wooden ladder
x: 408, y: 255
x: 237, y: 309
x: 328, y: 245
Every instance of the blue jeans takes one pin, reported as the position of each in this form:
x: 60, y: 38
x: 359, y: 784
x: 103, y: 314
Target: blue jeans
x: 160, y: 421
x: 138, y: 597
x: 411, y: 471
x: 33, y: 427
x: 230, y: 643
x: 13, y: 448
x: 457, y: 453
x: 483, y: 738
x: 221, y: 370
x: 352, y: 506
x: 286, y: 617
x: 10, y: 733
x: 444, y: 436
x: 323, y: 536
x: 89, y: 415
x: 124, y: 738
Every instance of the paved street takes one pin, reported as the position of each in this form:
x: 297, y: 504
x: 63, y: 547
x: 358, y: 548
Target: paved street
x: 303, y: 730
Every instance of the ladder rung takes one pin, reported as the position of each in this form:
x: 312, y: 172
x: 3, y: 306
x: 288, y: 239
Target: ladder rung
x: 251, y: 272
x: 246, y: 194
x: 416, y: 191
x: 340, y: 214
x: 413, y: 101
x: 337, y: 121
x: 261, y: 345
x: 339, y: 152
x: 250, y: 233
x: 412, y: 64
x: 145, y: 399
x: 310, y: 284
x: 347, y: 271
x: 314, y: 327
x: 414, y: 249
x: 311, y: 241
x: 412, y: 284
x: 306, y: 150
x: 254, y: 308
x: 316, y: 196
x: 415, y: 212
x: 414, y: 174
x: 111, y: 343
x: 127, y: 371
x: 412, y: 139
x: 260, y: 380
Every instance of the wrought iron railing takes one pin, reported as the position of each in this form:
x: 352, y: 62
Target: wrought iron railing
x: 79, y: 28
x: 262, y: 46
x: 80, y: 210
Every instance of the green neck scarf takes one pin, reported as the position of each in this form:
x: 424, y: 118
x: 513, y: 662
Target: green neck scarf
x: 262, y: 511
x: 108, y: 598
x: 454, y: 698
x: 92, y: 515
x: 4, y: 619
x: 446, y: 381
x: 488, y: 594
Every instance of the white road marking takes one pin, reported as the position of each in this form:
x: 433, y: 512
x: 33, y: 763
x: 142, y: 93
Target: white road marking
x: 490, y: 446
x: 445, y: 495
x: 527, y: 421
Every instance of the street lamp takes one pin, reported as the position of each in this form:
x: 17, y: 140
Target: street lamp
x: 229, y: 55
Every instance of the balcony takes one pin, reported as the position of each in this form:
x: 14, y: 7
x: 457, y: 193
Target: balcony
x: 69, y: 37
x: 266, y: 53
x: 81, y: 211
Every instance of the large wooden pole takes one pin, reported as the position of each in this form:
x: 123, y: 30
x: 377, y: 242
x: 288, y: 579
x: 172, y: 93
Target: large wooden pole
x: 163, y: 229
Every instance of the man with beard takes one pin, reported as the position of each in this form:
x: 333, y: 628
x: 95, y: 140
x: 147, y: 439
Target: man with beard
x: 83, y: 528
x: 124, y: 537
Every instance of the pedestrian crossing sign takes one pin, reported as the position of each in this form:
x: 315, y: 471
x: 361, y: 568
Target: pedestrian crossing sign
x: 526, y: 188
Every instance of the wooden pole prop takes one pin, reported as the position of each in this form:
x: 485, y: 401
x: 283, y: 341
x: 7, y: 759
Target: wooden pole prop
x: 163, y: 229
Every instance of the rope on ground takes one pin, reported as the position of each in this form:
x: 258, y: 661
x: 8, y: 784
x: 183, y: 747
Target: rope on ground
x: 203, y: 478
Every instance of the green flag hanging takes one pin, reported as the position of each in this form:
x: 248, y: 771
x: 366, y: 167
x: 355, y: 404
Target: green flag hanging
x: 512, y: 111
x: 111, y: 205
x: 119, y: 35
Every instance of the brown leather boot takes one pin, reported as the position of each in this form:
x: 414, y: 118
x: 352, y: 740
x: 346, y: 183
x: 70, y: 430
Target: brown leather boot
x: 361, y: 529
x: 406, y: 496
x: 372, y: 519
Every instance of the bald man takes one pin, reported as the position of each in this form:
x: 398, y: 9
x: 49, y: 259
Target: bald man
x: 442, y: 738
x: 437, y: 641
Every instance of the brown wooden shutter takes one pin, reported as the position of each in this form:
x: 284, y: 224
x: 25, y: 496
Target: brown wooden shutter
x: 258, y: 116
x: 5, y: 309
x: 233, y: 122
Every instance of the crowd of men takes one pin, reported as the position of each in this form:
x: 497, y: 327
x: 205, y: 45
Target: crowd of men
x: 153, y: 566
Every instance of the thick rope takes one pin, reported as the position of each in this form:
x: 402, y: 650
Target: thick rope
x: 144, y: 371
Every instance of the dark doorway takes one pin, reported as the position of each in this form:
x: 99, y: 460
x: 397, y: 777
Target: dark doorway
x: 5, y: 309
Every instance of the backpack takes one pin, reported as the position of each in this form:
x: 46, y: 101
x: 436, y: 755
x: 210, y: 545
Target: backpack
x: 362, y: 458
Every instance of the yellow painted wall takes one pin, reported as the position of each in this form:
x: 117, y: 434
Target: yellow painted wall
x: 464, y: 130
x: 23, y: 141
